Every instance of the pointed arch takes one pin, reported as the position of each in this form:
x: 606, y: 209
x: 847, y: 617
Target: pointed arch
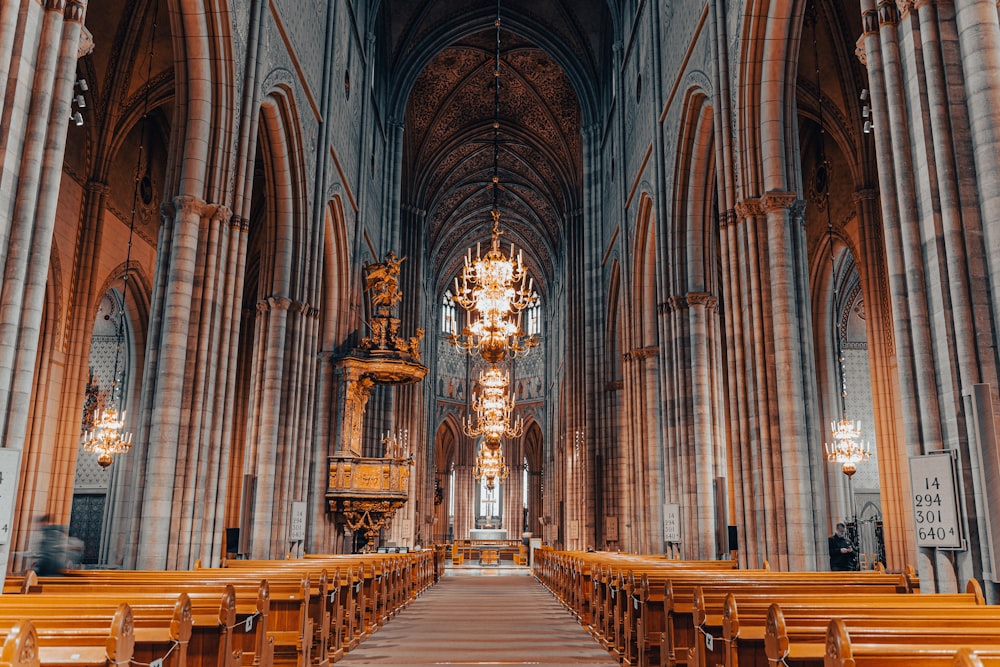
x: 205, y: 112
x: 766, y: 117
x: 287, y: 211
x: 612, y: 333
x: 336, y: 304
x: 644, y: 268
x: 693, y: 239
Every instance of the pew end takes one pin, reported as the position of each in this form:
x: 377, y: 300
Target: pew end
x: 20, y: 646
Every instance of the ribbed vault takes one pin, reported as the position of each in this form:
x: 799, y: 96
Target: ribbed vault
x: 448, y: 120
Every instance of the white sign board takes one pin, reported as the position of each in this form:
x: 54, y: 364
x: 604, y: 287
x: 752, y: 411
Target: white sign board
x: 671, y: 522
x: 297, y: 522
x: 9, y: 469
x: 934, y: 494
x: 574, y: 529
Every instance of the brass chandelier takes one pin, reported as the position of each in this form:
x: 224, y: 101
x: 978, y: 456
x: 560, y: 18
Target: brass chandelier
x: 494, y: 288
x: 494, y: 409
x: 491, y: 465
x: 847, y: 448
x: 107, y: 436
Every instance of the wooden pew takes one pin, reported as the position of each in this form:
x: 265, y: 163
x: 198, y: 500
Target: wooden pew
x: 230, y: 623
x: 19, y: 647
x: 317, y: 605
x: 379, y: 586
x: 603, y: 590
x: 644, y: 620
x: 212, y: 617
x: 902, y: 644
x: 738, y: 637
x: 64, y: 638
x: 681, y: 636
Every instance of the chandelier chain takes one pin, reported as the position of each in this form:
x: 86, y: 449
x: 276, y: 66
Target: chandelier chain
x: 846, y: 447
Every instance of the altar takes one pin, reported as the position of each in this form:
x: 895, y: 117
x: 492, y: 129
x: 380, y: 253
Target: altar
x: 488, y: 534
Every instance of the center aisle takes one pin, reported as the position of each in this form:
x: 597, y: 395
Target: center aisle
x: 482, y: 617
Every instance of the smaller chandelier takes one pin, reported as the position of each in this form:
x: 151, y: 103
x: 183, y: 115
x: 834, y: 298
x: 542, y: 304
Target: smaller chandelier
x: 107, y: 436
x: 490, y: 466
x: 494, y: 409
x: 847, y: 447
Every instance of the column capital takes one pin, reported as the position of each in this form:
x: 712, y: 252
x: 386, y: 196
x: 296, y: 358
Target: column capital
x: 776, y: 201
x: 75, y: 11
x: 888, y: 12
x: 188, y: 205
x: 55, y: 6
x: 859, y: 50
x: 302, y: 307
x: 702, y: 299
x: 219, y: 213
x: 643, y: 353
x: 727, y: 218
x: 277, y: 303
x: 746, y: 208
x: 675, y: 303
x: 869, y: 23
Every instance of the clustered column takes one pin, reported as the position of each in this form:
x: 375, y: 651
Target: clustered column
x: 31, y: 169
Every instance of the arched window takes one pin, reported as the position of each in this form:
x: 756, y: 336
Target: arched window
x: 533, y: 318
x: 449, y: 314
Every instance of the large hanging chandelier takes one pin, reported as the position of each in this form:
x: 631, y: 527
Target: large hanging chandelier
x: 493, y: 409
x: 494, y: 288
x: 847, y: 448
x: 491, y: 466
x: 107, y: 436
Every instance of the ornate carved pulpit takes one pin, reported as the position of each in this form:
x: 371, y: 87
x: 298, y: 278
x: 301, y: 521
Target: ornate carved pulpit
x: 365, y: 492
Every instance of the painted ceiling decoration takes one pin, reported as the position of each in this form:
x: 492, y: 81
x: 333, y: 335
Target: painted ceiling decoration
x: 448, y: 121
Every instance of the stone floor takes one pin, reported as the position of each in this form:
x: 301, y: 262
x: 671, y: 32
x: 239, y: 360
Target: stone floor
x: 482, y: 616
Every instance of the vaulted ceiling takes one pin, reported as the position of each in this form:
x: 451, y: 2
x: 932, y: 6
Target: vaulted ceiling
x: 547, y: 49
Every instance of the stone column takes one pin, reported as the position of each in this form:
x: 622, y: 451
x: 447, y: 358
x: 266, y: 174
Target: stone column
x: 702, y: 450
x: 27, y: 232
x: 736, y: 407
x: 771, y: 464
x: 788, y: 316
x: 979, y: 45
x: 885, y: 392
x: 321, y: 538
x: 271, y: 335
x: 26, y: 240
x: 752, y: 471
x: 921, y: 420
x: 161, y: 444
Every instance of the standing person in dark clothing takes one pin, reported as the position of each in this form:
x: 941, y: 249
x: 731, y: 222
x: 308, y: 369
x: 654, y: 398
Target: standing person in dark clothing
x: 841, y: 550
